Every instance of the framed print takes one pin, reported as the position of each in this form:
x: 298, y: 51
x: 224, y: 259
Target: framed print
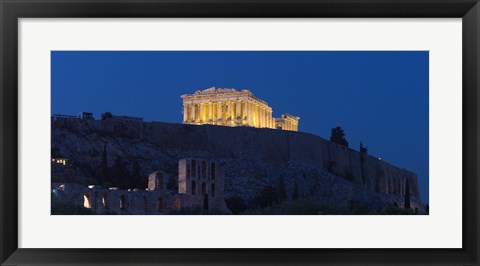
x: 259, y: 132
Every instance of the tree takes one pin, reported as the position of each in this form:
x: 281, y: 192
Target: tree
x: 363, y: 149
x: 267, y: 197
x: 407, y: 196
x: 137, y: 178
x: 236, y: 204
x: 120, y: 173
x: 338, y: 136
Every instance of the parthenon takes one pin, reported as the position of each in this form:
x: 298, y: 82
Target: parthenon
x: 230, y: 107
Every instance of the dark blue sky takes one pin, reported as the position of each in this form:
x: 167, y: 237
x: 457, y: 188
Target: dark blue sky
x: 380, y: 98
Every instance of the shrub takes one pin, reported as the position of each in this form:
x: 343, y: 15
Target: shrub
x: 236, y: 204
x: 267, y: 197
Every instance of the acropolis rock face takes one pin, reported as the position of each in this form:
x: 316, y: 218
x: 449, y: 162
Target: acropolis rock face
x: 252, y: 158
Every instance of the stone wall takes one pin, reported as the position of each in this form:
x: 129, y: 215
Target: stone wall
x: 117, y: 201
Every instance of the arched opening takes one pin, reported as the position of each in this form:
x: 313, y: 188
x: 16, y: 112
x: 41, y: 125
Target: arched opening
x: 123, y: 202
x: 212, y: 191
x: 159, y: 180
x: 204, y: 169
x: 194, y: 188
x: 204, y: 188
x: 160, y: 205
x: 205, y: 202
x: 105, y: 200
x: 177, y: 204
x: 188, y: 172
x: 212, y: 170
x: 86, y: 200
x: 194, y: 168
x: 155, y: 181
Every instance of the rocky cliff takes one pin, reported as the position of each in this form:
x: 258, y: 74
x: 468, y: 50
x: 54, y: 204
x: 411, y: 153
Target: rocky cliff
x: 253, y: 158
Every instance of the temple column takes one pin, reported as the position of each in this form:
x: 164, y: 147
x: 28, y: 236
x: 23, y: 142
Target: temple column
x: 193, y: 112
x: 238, y: 112
x: 201, y: 111
x: 257, y: 117
x: 185, y: 113
x: 265, y: 115
x: 256, y: 110
x: 270, y: 119
x: 224, y: 112
x: 210, y: 111
x: 247, y: 116
x: 242, y: 111
x: 219, y: 111
x: 265, y: 112
x: 250, y: 114
x: 272, y: 123
x: 260, y: 114
x: 262, y: 117
x: 229, y: 113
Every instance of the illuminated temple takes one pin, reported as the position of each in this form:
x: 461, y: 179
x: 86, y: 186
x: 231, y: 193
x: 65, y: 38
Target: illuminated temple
x: 230, y: 107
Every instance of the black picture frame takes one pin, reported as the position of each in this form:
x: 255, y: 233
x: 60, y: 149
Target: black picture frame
x: 12, y: 10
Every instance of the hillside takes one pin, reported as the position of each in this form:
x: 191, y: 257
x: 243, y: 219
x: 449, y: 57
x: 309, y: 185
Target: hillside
x: 254, y: 159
